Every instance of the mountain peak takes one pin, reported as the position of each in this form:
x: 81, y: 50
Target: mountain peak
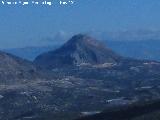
x: 85, y: 40
x: 78, y: 50
x: 80, y: 36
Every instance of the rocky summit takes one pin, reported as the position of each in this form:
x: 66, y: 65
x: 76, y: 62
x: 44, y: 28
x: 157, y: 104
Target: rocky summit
x: 79, y: 50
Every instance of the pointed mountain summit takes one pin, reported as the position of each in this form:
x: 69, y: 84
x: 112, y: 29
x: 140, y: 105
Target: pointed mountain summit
x: 80, y: 49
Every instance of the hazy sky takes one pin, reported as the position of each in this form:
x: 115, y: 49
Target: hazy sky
x: 36, y: 25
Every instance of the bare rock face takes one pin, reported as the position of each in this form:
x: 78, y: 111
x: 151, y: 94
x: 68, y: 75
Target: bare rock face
x: 80, y: 49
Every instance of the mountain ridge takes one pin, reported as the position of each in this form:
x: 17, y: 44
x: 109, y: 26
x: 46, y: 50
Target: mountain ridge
x: 14, y: 69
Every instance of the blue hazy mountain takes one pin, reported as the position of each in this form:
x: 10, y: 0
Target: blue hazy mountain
x: 29, y: 53
x: 144, y: 49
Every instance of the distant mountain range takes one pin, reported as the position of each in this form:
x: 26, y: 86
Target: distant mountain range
x: 140, y: 49
x: 29, y: 53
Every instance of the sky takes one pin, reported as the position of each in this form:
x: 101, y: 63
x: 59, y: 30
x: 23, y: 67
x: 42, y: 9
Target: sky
x: 38, y: 25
